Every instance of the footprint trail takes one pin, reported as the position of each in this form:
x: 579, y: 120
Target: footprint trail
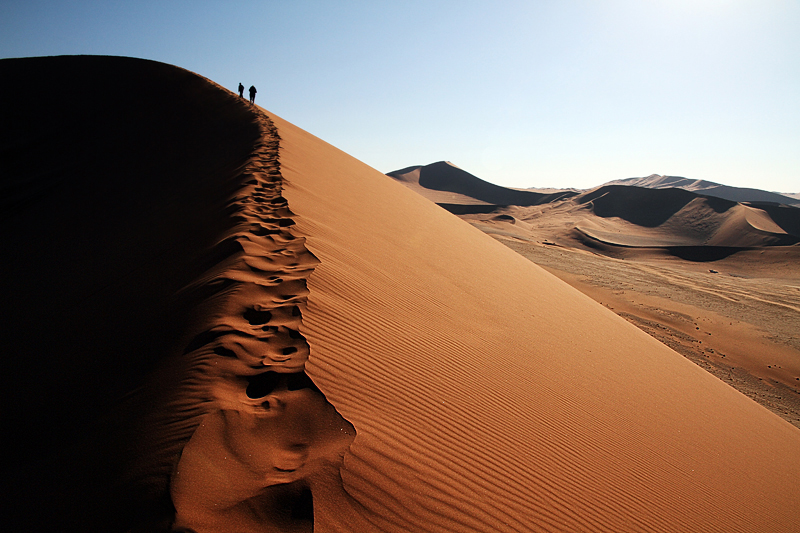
x: 269, y: 439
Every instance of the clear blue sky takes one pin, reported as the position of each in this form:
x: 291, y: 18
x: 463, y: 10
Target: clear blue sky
x: 520, y: 93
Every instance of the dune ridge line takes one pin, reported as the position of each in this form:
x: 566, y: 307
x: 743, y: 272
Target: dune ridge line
x: 268, y: 429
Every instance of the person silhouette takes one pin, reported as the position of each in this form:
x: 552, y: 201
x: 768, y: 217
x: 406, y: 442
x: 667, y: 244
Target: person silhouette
x: 252, y: 94
x: 241, y: 90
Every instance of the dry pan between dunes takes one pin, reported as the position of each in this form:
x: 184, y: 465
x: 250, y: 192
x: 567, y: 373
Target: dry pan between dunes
x: 218, y: 322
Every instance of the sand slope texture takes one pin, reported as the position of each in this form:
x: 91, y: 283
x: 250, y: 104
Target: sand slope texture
x: 215, y: 321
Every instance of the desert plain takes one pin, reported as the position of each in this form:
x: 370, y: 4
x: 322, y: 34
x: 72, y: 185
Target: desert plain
x: 216, y: 321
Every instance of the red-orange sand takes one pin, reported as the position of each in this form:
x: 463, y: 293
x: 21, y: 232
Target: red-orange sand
x: 454, y: 385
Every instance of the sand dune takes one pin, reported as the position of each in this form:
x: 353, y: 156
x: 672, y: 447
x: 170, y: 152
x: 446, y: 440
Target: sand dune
x: 114, y: 197
x: 709, y: 188
x: 608, y: 218
x: 460, y: 192
x: 154, y: 360
x: 674, y: 217
x: 221, y: 323
x: 489, y: 396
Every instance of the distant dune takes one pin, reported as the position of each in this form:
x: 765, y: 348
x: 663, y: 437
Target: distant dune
x: 680, y: 221
x: 215, y: 321
x: 709, y: 188
x: 460, y: 192
x: 632, y: 216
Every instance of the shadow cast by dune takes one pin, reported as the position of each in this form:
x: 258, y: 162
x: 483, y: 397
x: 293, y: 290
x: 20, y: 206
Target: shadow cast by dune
x: 703, y: 254
x: 471, y: 209
x: 150, y: 277
x: 644, y: 207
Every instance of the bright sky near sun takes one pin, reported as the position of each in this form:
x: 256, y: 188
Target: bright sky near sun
x: 520, y: 93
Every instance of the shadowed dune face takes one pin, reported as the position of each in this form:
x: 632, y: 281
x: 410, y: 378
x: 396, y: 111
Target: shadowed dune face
x: 715, y: 227
x: 677, y: 220
x: 787, y: 218
x: 644, y: 207
x: 115, y: 177
x: 153, y: 293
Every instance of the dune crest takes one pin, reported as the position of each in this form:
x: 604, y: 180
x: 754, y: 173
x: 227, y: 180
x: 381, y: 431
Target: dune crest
x: 270, y: 436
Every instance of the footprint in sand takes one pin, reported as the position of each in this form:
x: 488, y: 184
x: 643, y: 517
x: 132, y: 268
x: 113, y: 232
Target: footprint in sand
x: 270, y: 436
x: 254, y: 462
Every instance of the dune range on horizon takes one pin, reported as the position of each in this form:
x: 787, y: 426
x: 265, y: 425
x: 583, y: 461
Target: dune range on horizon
x: 216, y: 321
x: 736, y: 194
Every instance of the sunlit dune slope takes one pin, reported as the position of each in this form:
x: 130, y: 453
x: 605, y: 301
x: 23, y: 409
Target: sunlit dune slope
x: 489, y: 396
